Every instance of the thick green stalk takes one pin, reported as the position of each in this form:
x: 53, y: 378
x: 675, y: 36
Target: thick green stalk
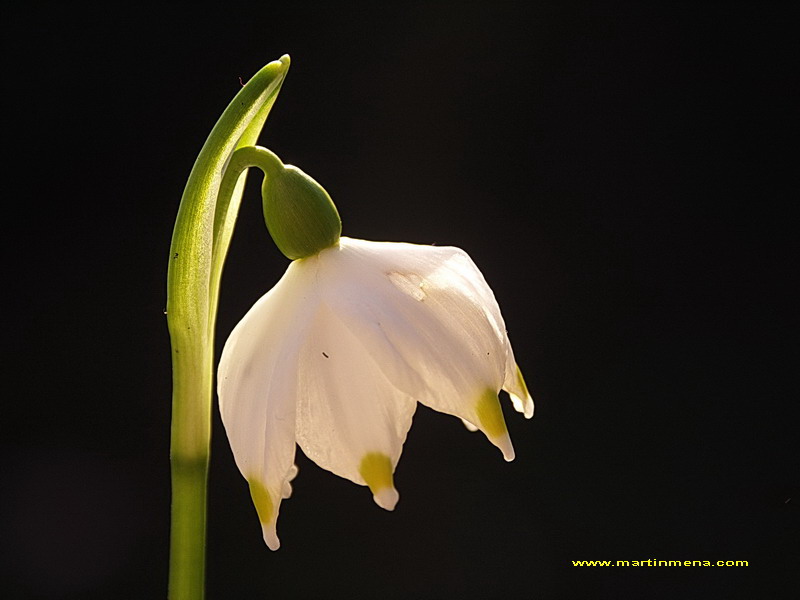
x: 192, y: 296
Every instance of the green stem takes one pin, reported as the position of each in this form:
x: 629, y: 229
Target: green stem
x: 227, y: 206
x: 199, y: 243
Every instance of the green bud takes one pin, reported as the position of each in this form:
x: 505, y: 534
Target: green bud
x: 300, y: 215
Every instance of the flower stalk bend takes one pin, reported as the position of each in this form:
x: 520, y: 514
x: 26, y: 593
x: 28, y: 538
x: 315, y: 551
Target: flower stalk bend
x: 200, y: 241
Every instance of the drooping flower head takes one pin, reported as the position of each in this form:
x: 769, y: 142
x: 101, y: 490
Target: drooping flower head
x: 336, y: 356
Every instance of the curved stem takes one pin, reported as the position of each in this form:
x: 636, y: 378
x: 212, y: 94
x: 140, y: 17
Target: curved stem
x: 228, y: 204
x: 192, y: 293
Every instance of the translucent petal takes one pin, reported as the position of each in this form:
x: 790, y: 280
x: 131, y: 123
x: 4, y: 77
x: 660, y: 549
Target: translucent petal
x: 257, y: 388
x: 435, y: 310
x: 468, y: 425
x: 351, y: 420
x: 286, y: 491
x: 518, y: 391
x: 337, y: 354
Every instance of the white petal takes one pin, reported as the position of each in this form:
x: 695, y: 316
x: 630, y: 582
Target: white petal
x: 257, y: 387
x: 436, y: 311
x: 286, y: 491
x: 469, y: 426
x: 518, y: 391
x: 351, y: 420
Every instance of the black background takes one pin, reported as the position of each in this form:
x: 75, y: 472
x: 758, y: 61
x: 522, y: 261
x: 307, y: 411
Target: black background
x: 621, y: 176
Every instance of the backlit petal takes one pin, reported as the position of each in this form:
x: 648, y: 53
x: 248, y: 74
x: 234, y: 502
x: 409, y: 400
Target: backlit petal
x: 351, y: 420
x: 433, y: 307
x: 518, y: 390
x: 337, y: 355
x: 257, y: 387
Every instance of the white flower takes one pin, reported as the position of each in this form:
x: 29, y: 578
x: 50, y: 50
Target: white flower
x: 336, y: 356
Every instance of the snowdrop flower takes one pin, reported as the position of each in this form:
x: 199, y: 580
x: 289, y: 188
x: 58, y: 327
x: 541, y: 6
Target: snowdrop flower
x: 336, y: 356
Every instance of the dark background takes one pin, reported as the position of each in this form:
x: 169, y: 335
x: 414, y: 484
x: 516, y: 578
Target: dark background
x: 621, y: 176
